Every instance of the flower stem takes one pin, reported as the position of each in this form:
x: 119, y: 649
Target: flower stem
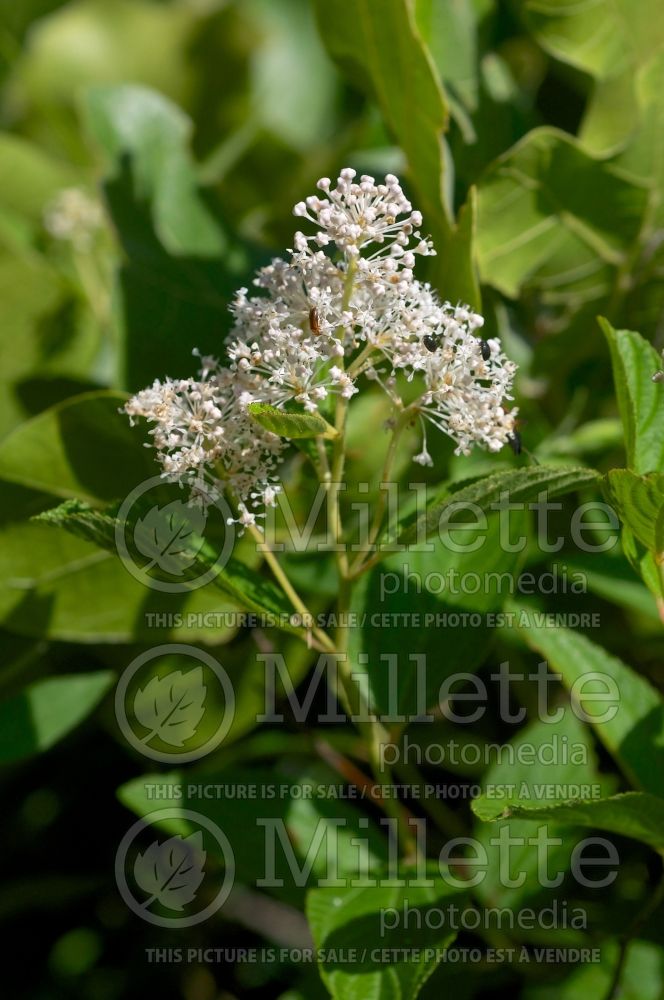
x: 360, y: 563
x: 372, y: 731
x: 307, y: 618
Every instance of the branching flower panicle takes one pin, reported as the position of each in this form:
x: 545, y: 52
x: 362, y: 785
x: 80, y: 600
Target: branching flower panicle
x: 343, y: 307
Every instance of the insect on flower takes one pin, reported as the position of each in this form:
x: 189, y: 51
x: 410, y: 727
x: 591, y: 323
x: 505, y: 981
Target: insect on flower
x: 485, y: 349
x: 314, y: 321
x: 514, y: 441
x: 346, y: 293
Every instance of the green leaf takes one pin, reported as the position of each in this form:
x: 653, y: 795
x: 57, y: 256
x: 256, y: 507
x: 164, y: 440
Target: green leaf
x: 591, y: 438
x: 542, y: 220
x: 451, y: 33
x: 531, y: 765
x: 640, y: 400
x: 178, y: 273
x: 645, y: 565
x: 634, y: 735
x: 44, y: 332
x: 56, y: 585
x: 29, y: 178
x: 347, y: 919
x: 294, y: 84
x: 295, y: 799
x: 46, y: 711
x: 641, y: 975
x: 410, y: 606
x: 82, y: 448
x: 143, y: 42
x: 407, y: 642
x: 291, y: 425
x: 477, y: 576
x: 61, y: 587
x: 600, y: 37
x: 243, y: 585
x: 639, y: 502
x: 515, y: 485
x: 134, y: 121
x: 632, y: 814
x: 612, y: 578
x: 378, y: 44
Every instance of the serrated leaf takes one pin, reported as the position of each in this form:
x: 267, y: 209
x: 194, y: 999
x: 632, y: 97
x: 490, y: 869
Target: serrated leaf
x: 634, y: 735
x: 46, y: 711
x: 640, y: 400
x: 171, y: 872
x: 171, y: 707
x: 544, y: 767
x: 167, y: 536
x: 242, y: 584
x: 516, y: 485
x: 290, y: 425
x: 639, y: 502
x: 630, y: 814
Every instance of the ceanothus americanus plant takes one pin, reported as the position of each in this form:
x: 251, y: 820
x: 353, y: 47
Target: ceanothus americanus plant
x: 344, y: 308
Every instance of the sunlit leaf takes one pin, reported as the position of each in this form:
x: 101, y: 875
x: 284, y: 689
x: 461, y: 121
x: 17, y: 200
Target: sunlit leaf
x: 47, y: 710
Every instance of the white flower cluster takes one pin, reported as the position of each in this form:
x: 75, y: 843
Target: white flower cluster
x: 343, y: 307
x: 74, y: 217
x: 202, y: 431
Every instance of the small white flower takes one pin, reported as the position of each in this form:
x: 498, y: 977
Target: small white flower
x: 299, y: 337
x: 203, y: 428
x: 355, y: 216
x: 74, y: 217
x: 423, y: 458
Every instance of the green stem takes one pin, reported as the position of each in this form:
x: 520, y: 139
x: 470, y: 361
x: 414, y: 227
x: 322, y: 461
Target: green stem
x: 357, y: 366
x: 371, y: 730
x: 321, y: 637
x: 93, y: 285
x: 339, y: 449
x: 358, y: 565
